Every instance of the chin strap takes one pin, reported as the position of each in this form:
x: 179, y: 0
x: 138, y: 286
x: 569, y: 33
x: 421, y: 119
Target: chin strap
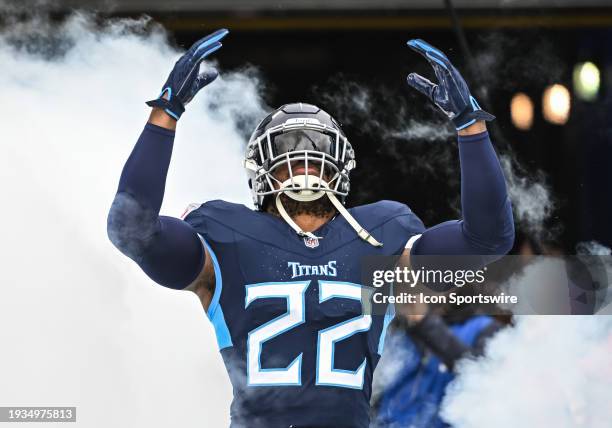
x: 363, y: 234
x: 289, y: 220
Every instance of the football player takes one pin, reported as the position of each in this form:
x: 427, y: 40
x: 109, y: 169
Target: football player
x: 280, y: 283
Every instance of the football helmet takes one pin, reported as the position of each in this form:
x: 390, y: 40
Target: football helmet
x: 301, y: 151
x: 299, y: 134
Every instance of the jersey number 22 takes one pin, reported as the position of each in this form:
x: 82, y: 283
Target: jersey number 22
x: 294, y: 293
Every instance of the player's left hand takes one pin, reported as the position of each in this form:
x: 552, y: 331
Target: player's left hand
x: 451, y: 94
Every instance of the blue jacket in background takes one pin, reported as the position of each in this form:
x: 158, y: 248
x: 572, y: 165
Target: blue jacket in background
x: 415, y: 381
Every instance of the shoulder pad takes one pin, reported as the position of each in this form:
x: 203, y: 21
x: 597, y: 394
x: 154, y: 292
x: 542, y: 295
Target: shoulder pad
x: 381, y: 212
x: 227, y: 212
x: 392, y: 223
x: 218, y: 221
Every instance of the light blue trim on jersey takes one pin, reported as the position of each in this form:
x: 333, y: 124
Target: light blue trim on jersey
x: 215, y: 312
x: 224, y: 340
x: 389, y: 315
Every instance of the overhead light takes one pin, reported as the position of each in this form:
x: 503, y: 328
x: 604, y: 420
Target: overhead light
x: 556, y: 104
x: 521, y: 111
x: 586, y: 81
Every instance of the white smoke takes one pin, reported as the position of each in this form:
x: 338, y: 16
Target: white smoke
x: 423, y: 131
x: 355, y: 103
x: 81, y: 325
x: 548, y: 371
x: 593, y: 248
x: 532, y: 202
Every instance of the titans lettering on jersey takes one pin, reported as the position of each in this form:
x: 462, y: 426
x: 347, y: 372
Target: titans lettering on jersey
x: 298, y: 347
x: 298, y: 269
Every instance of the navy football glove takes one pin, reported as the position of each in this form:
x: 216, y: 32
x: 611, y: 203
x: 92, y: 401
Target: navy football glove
x: 185, y: 79
x: 451, y: 94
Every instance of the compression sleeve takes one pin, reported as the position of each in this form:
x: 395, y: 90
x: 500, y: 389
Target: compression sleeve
x: 487, y: 227
x: 167, y: 249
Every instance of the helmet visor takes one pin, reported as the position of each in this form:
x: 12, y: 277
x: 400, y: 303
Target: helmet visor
x: 292, y: 141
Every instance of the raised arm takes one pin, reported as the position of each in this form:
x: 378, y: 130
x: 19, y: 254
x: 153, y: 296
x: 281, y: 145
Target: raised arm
x: 487, y: 226
x: 167, y: 249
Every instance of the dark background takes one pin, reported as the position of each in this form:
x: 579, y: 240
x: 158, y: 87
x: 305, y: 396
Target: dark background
x: 329, y: 52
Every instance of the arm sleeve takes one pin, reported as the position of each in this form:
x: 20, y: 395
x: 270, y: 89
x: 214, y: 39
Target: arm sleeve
x: 487, y: 227
x: 167, y: 249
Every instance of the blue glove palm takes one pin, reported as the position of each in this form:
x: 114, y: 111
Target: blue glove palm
x: 451, y: 94
x: 185, y: 79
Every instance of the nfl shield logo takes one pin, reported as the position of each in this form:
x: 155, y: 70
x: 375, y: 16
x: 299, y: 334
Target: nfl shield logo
x: 311, y: 242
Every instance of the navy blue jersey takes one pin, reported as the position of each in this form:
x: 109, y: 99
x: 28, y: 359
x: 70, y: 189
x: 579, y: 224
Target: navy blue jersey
x: 288, y: 315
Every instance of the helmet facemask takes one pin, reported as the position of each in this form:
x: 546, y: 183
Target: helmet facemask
x: 283, y: 157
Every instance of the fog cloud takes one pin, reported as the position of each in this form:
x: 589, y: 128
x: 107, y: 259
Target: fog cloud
x: 81, y: 325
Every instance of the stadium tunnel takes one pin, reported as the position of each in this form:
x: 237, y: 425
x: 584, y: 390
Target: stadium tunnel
x: 334, y: 51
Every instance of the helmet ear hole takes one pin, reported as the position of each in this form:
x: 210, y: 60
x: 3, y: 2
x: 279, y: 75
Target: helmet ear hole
x: 250, y: 184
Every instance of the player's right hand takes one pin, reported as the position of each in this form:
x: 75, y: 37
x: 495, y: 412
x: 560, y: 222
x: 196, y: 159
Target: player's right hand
x: 185, y: 79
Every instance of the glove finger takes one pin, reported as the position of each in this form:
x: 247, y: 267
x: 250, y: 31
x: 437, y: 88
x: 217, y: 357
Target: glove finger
x: 196, y: 57
x: 440, y: 63
x: 206, y: 77
x: 209, y: 40
x: 200, y: 50
x: 194, y: 65
x: 425, y: 49
x: 204, y: 47
x: 206, y: 72
x: 205, y: 50
x: 421, y: 84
